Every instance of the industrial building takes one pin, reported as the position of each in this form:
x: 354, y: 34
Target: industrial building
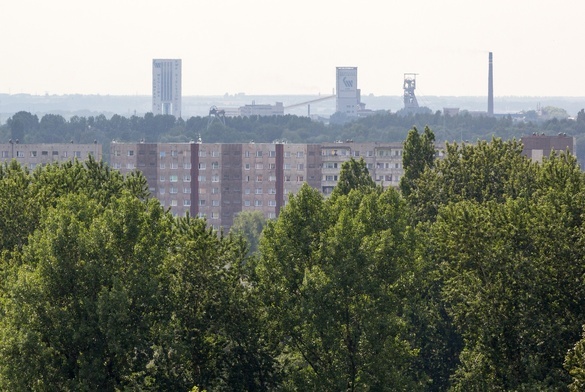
x: 348, y: 98
x: 166, y: 87
x: 219, y: 180
x: 33, y: 155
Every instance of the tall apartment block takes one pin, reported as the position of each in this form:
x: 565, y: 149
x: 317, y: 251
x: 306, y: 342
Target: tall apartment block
x: 166, y: 87
x: 348, y: 95
x: 537, y: 146
x: 217, y: 181
x: 33, y: 155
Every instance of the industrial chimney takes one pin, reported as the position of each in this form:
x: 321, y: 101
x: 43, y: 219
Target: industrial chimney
x: 490, y: 110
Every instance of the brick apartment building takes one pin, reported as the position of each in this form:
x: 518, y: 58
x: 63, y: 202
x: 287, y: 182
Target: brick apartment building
x: 220, y: 180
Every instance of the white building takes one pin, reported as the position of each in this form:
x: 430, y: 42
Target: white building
x: 348, y: 95
x: 166, y: 87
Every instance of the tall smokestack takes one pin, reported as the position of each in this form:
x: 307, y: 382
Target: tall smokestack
x: 491, y: 86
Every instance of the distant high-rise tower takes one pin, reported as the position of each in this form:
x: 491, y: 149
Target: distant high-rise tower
x: 348, y: 95
x: 166, y: 87
x: 490, y: 109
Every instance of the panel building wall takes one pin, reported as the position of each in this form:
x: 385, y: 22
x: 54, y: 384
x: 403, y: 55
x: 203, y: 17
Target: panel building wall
x: 33, y: 155
x: 219, y: 180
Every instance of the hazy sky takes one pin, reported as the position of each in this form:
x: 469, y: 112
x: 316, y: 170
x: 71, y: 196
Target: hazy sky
x: 292, y: 47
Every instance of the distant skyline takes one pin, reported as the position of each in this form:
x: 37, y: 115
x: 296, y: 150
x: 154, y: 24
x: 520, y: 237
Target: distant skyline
x: 275, y: 47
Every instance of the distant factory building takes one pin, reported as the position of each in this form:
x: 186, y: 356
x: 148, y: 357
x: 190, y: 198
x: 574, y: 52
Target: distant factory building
x: 537, y: 146
x: 348, y: 95
x: 166, y: 87
x: 262, y: 110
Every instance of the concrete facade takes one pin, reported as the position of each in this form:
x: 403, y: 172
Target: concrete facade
x: 33, y: 155
x: 537, y: 146
x: 348, y: 95
x: 217, y: 181
x: 166, y: 86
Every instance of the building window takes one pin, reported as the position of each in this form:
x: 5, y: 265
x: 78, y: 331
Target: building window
x: 186, y: 203
x: 272, y: 203
x: 272, y: 178
x: 186, y: 166
x: 130, y: 153
x: 300, y: 179
x: 259, y: 153
x: 161, y: 190
x: 202, y: 154
x: 287, y: 154
x: 300, y: 166
x: 258, y: 191
x: 272, y: 154
x: 300, y: 154
x: 174, y: 178
x: 44, y: 153
x: 259, y: 166
x: 271, y: 215
x: 174, y: 165
x: 186, y: 178
x: 215, y: 203
x: 117, y: 166
x: 215, y: 191
x: 259, y: 178
x: 174, y: 190
x: 215, y: 178
x: 214, y: 153
x: 117, y: 153
x: 272, y: 191
x: 201, y: 178
x: 186, y: 190
x: 202, y: 202
x: 174, y: 153
x: 247, y: 154
x: 287, y: 166
x: 247, y: 191
x: 162, y: 179
x: 258, y: 203
x: 247, y: 166
x: 247, y: 203
x: 33, y: 154
x: 130, y: 166
x: 163, y: 154
x: 162, y: 166
x: 215, y: 165
x: 173, y: 203
x: 20, y: 154
x: 32, y: 166
x: 202, y: 166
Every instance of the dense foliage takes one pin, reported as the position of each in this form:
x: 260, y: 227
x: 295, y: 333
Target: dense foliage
x: 470, y: 278
x: 380, y: 127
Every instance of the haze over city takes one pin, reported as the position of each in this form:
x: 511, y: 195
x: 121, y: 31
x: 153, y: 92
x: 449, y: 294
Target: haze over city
x: 270, y: 47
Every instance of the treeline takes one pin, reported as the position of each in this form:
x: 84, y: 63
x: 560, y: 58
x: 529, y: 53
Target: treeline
x: 469, y: 277
x: 382, y: 127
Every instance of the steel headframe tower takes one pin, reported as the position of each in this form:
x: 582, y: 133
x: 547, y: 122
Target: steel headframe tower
x: 409, y: 86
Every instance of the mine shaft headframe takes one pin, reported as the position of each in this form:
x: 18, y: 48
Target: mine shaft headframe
x: 409, y: 87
